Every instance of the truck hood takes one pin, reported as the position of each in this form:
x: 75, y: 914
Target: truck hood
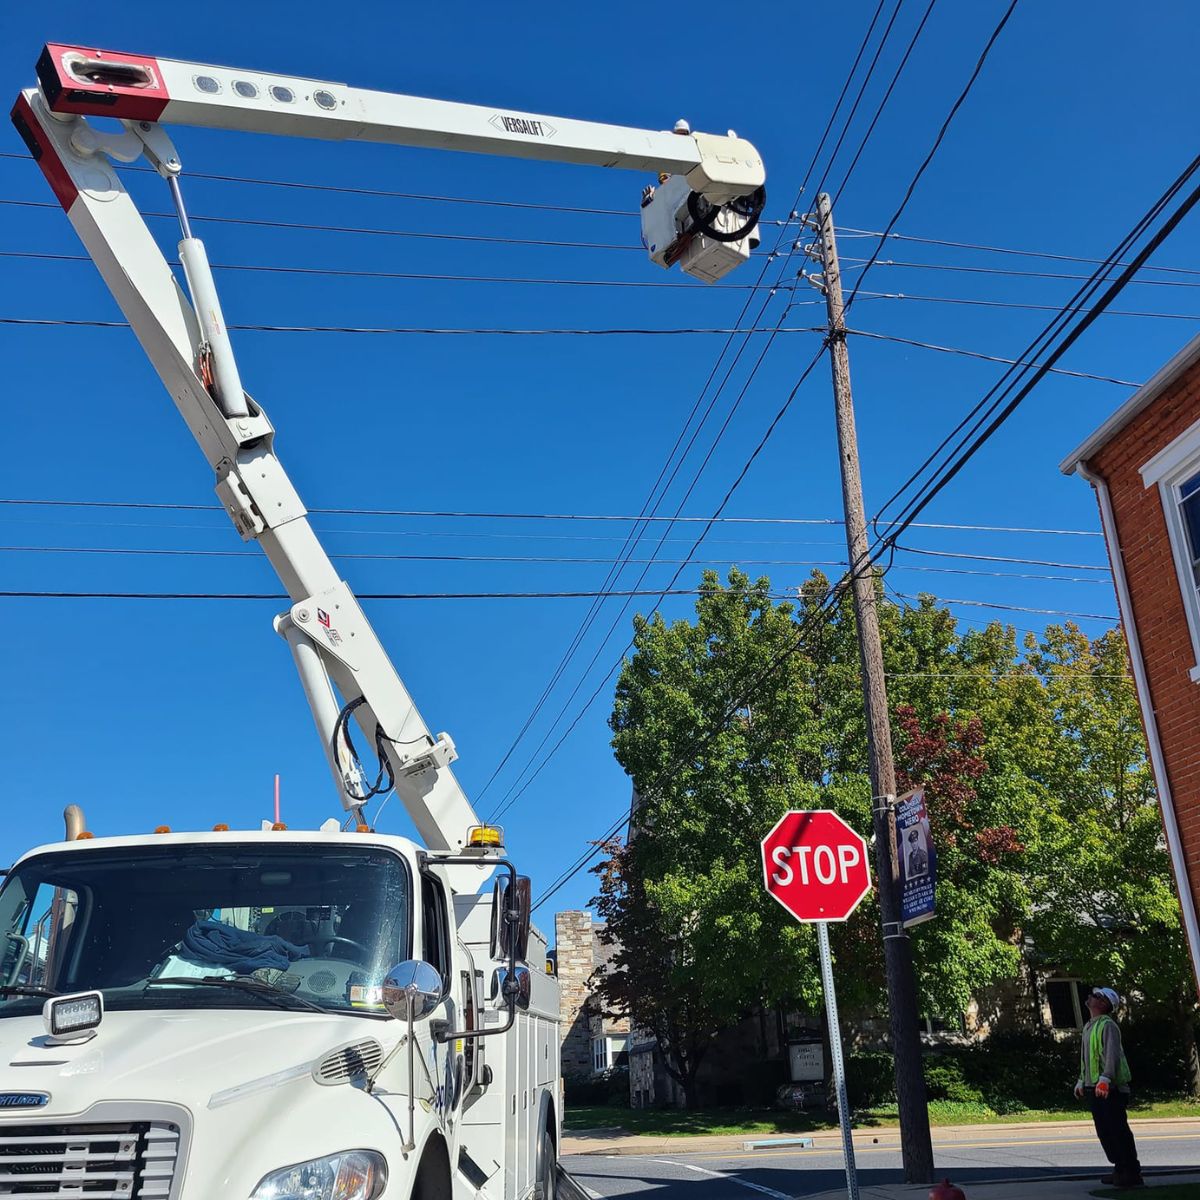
x: 238, y: 1084
x: 198, y: 1058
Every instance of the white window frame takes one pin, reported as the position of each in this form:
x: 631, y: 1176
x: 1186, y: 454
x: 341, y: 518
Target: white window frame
x: 600, y: 1056
x: 1076, y: 1001
x: 1169, y: 469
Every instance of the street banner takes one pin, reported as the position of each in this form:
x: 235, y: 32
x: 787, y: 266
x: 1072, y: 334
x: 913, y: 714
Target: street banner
x: 917, y: 857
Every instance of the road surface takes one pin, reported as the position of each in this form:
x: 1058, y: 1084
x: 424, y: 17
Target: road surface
x: 989, y: 1155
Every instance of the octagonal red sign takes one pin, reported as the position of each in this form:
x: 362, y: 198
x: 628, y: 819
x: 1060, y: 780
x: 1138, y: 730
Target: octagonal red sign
x: 815, y: 865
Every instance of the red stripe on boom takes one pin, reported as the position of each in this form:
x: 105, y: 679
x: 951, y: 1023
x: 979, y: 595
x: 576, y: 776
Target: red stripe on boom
x: 44, y: 153
x: 101, y: 83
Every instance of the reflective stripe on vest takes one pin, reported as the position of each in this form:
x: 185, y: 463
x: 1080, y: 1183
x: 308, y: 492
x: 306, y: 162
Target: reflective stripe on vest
x: 1096, y: 1056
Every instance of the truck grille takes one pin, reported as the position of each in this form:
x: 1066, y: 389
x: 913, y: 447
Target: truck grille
x: 98, y: 1161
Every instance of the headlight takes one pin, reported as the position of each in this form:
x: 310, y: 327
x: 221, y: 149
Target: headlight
x: 351, y: 1175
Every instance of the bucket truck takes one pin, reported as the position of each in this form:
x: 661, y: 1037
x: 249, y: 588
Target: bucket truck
x: 274, y: 1014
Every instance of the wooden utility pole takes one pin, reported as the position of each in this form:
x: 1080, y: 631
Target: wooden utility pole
x: 915, y: 1144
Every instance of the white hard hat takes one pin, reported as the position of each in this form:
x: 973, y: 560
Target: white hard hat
x: 1113, y: 999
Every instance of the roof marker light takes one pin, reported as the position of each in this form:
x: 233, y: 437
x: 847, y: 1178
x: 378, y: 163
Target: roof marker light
x: 490, y: 837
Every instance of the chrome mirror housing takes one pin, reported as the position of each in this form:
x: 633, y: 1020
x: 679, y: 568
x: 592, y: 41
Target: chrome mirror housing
x: 517, y: 985
x: 412, y: 990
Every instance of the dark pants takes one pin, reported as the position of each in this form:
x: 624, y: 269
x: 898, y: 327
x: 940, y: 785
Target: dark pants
x: 1112, y: 1128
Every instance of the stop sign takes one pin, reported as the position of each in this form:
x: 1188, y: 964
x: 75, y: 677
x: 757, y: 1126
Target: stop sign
x: 815, y: 865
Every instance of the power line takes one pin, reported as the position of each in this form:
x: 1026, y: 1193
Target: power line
x: 1012, y: 362
x: 841, y: 187
x: 420, y: 277
x: 425, y: 331
x: 1016, y: 304
x: 1029, y: 562
x: 1023, y: 253
x: 582, y: 594
x: 1007, y: 272
x: 1048, y: 612
x: 544, y: 560
x: 998, y: 676
x: 937, y: 142
x: 531, y: 516
x: 703, y: 533
x: 309, y: 227
x: 858, y: 98
x: 651, y: 504
x: 1001, y: 400
x: 293, y: 185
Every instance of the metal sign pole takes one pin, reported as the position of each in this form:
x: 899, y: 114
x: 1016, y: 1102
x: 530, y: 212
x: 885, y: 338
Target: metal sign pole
x: 839, y: 1066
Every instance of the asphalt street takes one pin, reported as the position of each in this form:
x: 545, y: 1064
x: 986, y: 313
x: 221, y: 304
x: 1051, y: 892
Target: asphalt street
x: 979, y: 1156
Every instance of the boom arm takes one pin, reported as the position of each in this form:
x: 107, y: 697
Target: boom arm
x: 185, y: 338
x: 87, y: 82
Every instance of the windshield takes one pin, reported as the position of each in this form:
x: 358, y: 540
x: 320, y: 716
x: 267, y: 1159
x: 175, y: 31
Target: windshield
x: 322, y: 924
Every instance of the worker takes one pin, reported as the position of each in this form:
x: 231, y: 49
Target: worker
x: 1104, y: 1079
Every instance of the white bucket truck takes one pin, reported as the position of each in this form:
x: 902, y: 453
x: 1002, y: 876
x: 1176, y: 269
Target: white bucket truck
x: 274, y: 1014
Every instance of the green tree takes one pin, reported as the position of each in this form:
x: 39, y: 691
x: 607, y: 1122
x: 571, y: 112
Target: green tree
x: 697, y: 941
x: 1041, y: 806
x: 1106, y: 907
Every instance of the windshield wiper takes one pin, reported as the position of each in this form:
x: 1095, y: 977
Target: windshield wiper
x: 256, y: 987
x: 23, y: 989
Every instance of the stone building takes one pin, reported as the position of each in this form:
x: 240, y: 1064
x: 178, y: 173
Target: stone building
x: 590, y: 1043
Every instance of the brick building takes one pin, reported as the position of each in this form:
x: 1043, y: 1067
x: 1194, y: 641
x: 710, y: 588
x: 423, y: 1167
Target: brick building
x: 1144, y: 464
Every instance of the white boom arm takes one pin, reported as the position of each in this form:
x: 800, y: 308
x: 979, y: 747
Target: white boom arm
x: 331, y: 640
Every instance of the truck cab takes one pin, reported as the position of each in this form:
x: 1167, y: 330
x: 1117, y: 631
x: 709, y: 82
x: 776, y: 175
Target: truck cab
x: 201, y: 1015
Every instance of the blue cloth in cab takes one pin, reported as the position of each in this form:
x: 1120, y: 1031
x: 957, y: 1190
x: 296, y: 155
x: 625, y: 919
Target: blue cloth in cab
x: 238, y: 950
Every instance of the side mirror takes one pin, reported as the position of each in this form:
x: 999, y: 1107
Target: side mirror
x: 510, y: 919
x: 518, y: 985
x: 412, y: 990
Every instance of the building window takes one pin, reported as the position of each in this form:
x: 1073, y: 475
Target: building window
x: 1064, y: 998
x: 932, y: 1025
x: 1176, y: 470
x: 610, y: 1052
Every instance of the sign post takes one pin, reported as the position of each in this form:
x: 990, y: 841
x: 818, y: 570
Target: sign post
x: 815, y: 865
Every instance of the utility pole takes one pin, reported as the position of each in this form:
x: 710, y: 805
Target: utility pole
x: 915, y: 1144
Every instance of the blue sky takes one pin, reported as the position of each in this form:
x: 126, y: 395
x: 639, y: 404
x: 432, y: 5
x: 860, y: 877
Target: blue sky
x: 181, y: 712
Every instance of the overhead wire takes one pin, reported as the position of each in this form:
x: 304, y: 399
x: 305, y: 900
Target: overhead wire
x: 530, y: 560
x: 1005, y: 272
x: 844, y: 231
x: 652, y: 504
x: 315, y: 227
x: 529, y: 516
x: 937, y: 142
x: 887, y: 95
x: 1000, y: 401
x: 792, y: 250
x: 93, y: 323
x: 1012, y: 362
x: 973, y: 302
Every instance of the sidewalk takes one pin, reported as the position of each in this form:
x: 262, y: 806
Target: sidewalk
x: 615, y: 1141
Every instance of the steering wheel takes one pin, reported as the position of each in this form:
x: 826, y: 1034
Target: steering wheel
x: 345, y: 941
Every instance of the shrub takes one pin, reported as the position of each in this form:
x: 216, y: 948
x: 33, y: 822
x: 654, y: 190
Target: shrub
x: 946, y: 1079
x: 870, y: 1078
x: 607, y: 1088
